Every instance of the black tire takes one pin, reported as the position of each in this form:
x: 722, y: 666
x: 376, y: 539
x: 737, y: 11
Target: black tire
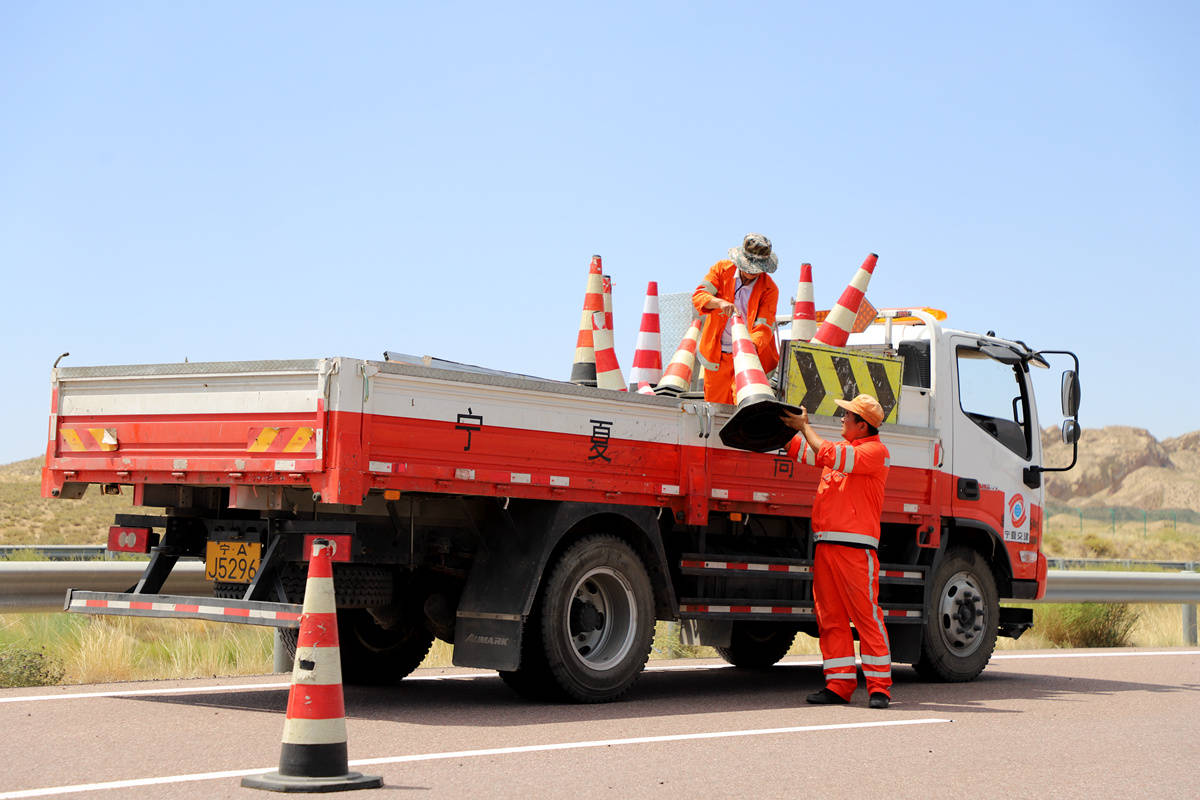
x: 376, y: 656
x: 757, y: 645
x: 962, y: 619
x: 596, y: 614
x: 532, y: 680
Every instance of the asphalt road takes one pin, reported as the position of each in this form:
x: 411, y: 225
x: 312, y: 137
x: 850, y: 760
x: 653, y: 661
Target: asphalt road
x: 1064, y: 724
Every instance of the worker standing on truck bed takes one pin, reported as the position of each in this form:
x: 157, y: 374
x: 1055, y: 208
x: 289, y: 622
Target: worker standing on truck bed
x: 737, y: 284
x: 845, y: 524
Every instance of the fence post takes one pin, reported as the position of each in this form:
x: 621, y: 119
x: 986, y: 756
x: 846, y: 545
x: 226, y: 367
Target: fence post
x: 1189, y: 625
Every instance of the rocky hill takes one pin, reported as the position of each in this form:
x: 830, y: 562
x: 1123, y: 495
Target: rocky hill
x: 1123, y: 466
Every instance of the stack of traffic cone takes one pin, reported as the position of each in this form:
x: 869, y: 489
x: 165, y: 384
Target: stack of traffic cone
x: 608, y: 371
x: 313, y: 757
x: 836, y: 328
x: 606, y: 290
x: 677, y: 377
x: 584, y: 370
x: 804, y: 313
x: 756, y: 425
x: 647, y: 357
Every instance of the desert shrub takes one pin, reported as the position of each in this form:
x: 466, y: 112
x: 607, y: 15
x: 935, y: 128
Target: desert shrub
x: 24, y: 666
x: 1099, y: 546
x: 1088, y: 624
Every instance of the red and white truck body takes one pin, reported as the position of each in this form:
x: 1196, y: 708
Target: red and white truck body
x: 542, y: 526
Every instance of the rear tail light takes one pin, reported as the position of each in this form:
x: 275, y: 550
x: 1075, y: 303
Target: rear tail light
x: 131, y: 540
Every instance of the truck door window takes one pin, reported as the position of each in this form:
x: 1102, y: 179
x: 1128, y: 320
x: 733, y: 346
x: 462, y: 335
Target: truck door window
x: 992, y: 395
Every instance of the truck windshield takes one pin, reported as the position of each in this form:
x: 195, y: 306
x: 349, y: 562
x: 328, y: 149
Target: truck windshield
x: 992, y: 395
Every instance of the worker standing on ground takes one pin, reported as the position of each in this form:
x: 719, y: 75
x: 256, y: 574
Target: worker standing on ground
x: 737, y: 284
x: 845, y: 523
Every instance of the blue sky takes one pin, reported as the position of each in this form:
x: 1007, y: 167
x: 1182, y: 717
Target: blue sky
x: 225, y: 181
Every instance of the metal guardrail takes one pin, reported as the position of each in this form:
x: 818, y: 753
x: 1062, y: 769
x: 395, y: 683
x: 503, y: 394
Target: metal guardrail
x: 1127, y: 563
x: 38, y: 586
x: 56, y: 552
x: 1093, y: 586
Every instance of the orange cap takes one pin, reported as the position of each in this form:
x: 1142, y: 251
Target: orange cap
x: 866, y: 407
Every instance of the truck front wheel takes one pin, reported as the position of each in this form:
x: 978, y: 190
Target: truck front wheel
x: 597, y: 619
x: 962, y: 619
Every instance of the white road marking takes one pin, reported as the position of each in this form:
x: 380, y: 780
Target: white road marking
x: 491, y: 751
x: 1002, y: 656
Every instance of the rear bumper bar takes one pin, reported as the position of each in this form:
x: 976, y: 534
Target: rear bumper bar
x: 128, y: 604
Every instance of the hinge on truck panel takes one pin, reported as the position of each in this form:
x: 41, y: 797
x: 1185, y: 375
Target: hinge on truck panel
x: 703, y: 412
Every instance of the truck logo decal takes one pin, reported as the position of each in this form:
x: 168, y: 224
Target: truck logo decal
x: 601, y: 430
x: 1017, y: 510
x: 497, y: 641
x: 469, y: 422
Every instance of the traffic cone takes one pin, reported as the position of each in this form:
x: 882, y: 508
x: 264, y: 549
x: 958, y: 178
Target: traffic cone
x: 584, y: 370
x: 677, y: 377
x: 606, y: 290
x: 645, y: 388
x: 804, y: 313
x: 836, y: 328
x: 313, y: 757
x: 647, y: 356
x: 608, y: 371
x: 756, y: 424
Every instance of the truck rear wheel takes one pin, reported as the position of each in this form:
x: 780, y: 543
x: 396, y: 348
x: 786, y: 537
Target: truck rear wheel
x: 962, y: 619
x: 755, y: 645
x: 597, y: 619
x: 373, y: 655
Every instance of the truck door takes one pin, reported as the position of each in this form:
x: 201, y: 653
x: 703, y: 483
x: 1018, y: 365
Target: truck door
x: 993, y: 438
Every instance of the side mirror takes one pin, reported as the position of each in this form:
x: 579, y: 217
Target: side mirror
x: 1070, y: 394
x: 1070, y: 431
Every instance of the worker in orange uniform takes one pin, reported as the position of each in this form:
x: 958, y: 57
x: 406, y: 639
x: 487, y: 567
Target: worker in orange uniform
x: 737, y: 284
x: 845, y: 525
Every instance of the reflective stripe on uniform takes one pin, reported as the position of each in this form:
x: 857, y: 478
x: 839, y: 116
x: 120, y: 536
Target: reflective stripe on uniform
x: 845, y: 537
x: 708, y: 287
x: 832, y: 663
x: 704, y: 362
x: 877, y: 661
x: 759, y: 321
x: 871, y: 674
x: 848, y: 459
x: 841, y: 676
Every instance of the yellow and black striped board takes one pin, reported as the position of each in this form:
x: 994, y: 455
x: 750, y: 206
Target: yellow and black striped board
x: 816, y: 374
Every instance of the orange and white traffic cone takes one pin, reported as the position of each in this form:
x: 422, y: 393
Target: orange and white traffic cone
x: 836, y: 328
x: 647, y: 356
x: 608, y: 371
x: 756, y: 425
x: 584, y: 369
x: 645, y: 388
x: 677, y: 377
x: 804, y: 313
x: 313, y: 757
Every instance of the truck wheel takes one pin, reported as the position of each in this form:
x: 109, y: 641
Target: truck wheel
x: 962, y: 619
x: 373, y: 655
x: 597, y: 619
x: 755, y: 645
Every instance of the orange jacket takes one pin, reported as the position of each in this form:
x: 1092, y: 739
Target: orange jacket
x: 850, y: 496
x: 720, y: 282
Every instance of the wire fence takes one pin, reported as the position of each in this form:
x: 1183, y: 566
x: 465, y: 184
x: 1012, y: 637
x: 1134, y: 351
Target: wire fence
x: 1112, y: 516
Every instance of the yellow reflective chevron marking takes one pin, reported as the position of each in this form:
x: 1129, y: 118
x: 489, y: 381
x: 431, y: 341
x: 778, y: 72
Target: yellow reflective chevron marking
x: 299, y: 440
x: 260, y: 444
x: 816, y: 374
x: 71, y: 438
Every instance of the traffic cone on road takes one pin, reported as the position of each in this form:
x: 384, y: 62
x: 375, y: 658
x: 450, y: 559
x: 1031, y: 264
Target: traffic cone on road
x: 756, y: 424
x: 647, y: 356
x: 584, y: 369
x: 836, y: 328
x: 608, y: 371
x: 804, y: 313
x: 677, y: 377
x: 313, y: 756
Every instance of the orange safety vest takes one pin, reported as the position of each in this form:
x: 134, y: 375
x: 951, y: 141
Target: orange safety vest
x: 850, y: 495
x: 720, y: 282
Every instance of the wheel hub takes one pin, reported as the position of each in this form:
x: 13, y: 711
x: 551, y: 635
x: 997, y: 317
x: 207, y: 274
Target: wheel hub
x: 962, y: 614
x: 602, y: 618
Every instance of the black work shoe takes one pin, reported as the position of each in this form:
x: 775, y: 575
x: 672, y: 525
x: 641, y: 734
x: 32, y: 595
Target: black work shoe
x: 826, y: 698
x: 878, y: 700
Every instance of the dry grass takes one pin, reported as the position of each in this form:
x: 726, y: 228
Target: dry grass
x: 1155, y: 540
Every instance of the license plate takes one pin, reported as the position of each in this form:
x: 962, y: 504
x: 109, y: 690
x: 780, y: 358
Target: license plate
x: 232, y: 562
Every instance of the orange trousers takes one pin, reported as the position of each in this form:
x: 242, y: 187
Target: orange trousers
x: 846, y: 590
x: 718, y: 383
